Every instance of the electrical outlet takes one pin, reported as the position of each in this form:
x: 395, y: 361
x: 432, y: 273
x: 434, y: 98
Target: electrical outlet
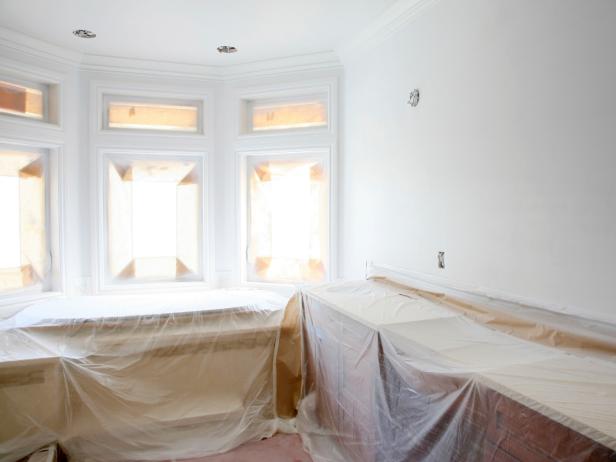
x: 441, y: 260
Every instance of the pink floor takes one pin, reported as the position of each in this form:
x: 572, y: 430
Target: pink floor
x: 279, y: 448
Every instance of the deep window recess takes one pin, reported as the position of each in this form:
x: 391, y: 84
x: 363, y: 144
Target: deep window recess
x: 279, y: 114
x: 137, y: 113
x: 153, y: 218
x: 22, y: 100
x: 25, y: 260
x: 287, y: 207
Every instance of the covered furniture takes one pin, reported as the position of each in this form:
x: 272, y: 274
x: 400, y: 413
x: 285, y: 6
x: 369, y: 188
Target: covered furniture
x: 147, y: 377
x: 395, y: 374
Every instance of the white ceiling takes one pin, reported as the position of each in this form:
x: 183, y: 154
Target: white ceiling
x: 188, y: 31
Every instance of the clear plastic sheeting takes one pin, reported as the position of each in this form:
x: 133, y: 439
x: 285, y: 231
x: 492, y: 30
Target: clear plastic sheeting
x: 143, y: 377
x: 394, y: 374
x: 378, y: 371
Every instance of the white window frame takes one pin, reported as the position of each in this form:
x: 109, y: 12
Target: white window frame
x: 206, y: 228
x: 284, y: 141
x: 323, y: 92
x: 106, y: 95
x: 54, y: 220
x: 324, y: 154
x: 51, y: 89
x: 149, y: 142
x: 43, y: 88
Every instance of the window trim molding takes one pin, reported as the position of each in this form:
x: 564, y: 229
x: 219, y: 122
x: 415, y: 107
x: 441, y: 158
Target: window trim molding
x: 325, y: 87
x: 102, y: 91
x: 21, y: 74
x: 55, y: 218
x: 247, y: 105
x: 327, y: 153
x: 44, y: 88
x: 101, y: 285
x: 109, y: 98
x: 284, y: 140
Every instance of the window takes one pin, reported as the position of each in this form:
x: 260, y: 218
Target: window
x: 285, y: 195
x: 22, y: 100
x: 278, y: 114
x: 153, y: 218
x: 287, y: 218
x: 137, y: 113
x: 24, y: 254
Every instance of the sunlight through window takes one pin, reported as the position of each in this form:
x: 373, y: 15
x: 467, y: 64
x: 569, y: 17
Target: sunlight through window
x: 23, y: 239
x: 10, y: 242
x: 20, y: 100
x: 286, y: 116
x: 151, y: 116
x: 288, y: 221
x: 153, y: 220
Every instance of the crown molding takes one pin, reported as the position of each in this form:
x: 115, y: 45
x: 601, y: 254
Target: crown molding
x: 24, y: 45
x: 383, y: 27
x: 21, y: 45
x: 327, y: 60
x: 276, y: 66
x: 119, y: 65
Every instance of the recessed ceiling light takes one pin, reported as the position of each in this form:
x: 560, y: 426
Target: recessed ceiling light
x: 226, y: 49
x: 84, y: 33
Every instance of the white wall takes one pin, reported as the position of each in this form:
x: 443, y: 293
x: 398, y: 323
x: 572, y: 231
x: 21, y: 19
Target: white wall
x: 80, y: 139
x: 508, y: 164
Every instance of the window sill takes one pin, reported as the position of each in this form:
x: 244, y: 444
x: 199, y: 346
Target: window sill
x: 152, y: 288
x: 285, y: 289
x: 12, y: 303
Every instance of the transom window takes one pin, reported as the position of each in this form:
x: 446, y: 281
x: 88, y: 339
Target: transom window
x: 24, y: 254
x: 150, y: 114
x: 288, y: 113
x: 153, y: 218
x: 21, y: 100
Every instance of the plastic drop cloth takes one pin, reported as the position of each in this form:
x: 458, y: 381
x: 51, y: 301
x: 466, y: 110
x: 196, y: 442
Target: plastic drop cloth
x: 393, y: 375
x: 379, y: 372
x: 118, y: 378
